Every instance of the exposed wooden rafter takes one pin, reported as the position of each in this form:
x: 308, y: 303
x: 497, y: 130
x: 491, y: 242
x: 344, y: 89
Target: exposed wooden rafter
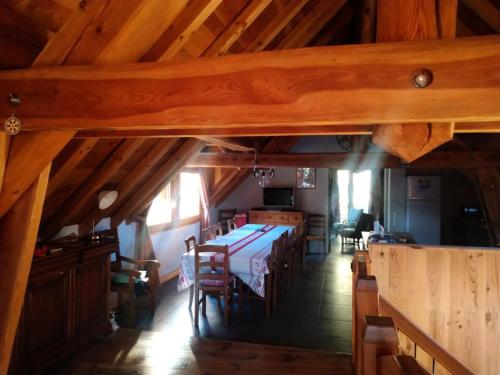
x: 302, y: 87
x: 273, y: 28
x: 222, y: 44
x: 70, y: 212
x: 311, y: 24
x: 145, y: 194
x: 369, y: 160
x: 137, y: 175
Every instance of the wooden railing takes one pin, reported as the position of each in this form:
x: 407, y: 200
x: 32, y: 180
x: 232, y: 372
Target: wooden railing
x: 377, y: 326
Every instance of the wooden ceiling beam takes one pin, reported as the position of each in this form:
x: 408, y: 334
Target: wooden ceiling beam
x: 229, y: 143
x: 309, y: 89
x: 277, y: 24
x: 58, y: 176
x: 263, y: 131
x: 143, y: 196
x: 311, y: 24
x: 136, y: 177
x: 247, y: 131
x: 29, y: 155
x: 368, y: 160
x: 175, y: 37
x: 86, y: 196
x: 18, y: 231
x: 232, y: 31
x: 487, y: 11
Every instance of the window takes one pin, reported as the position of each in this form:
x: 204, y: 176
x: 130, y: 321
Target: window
x: 161, y: 208
x: 354, y: 191
x: 189, y: 197
x: 179, y: 201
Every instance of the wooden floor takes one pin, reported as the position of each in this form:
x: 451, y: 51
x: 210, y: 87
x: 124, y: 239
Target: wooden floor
x: 131, y: 351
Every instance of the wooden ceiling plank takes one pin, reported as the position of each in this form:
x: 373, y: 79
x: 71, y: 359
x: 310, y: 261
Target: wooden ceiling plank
x: 335, y: 26
x: 487, y: 11
x: 310, y: 25
x: 17, y: 26
x: 102, y: 30
x: 228, y: 91
x: 156, y: 182
x: 277, y: 24
x: 447, y: 18
x: 60, y: 46
x: 86, y: 195
x: 175, y: 37
x: 139, y: 34
x: 232, y: 32
x: 70, y: 164
x: 18, y: 231
x: 134, y: 178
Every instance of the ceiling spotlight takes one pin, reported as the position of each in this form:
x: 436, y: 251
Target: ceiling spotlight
x: 422, y: 78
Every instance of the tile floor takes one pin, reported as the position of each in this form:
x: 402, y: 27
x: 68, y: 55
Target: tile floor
x: 315, y: 314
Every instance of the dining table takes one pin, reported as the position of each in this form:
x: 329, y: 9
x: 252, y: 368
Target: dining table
x: 249, y: 250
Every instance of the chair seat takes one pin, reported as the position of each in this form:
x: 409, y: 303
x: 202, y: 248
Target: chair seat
x: 123, y: 278
x: 217, y: 283
x: 315, y: 237
x: 349, y: 233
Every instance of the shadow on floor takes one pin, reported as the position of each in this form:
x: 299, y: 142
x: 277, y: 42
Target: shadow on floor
x: 316, y: 313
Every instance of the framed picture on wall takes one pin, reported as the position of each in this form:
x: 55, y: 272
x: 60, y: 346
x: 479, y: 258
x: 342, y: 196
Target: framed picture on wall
x: 306, y: 178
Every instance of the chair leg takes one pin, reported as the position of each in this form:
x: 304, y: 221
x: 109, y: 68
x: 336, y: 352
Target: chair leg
x: 196, y: 306
x: 268, y: 295
x: 240, y: 295
x: 204, y: 304
x: 131, y: 309
x: 191, y: 293
x: 275, y: 289
x: 219, y: 303
x: 226, y: 307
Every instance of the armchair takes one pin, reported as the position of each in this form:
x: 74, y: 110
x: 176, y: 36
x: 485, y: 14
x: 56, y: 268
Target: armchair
x: 143, y: 278
x: 352, y: 218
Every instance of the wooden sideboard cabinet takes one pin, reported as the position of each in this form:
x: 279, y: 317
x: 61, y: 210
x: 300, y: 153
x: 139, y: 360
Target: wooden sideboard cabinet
x: 66, y: 304
x: 276, y: 217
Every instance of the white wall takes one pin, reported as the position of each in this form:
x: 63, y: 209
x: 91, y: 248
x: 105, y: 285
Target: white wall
x: 169, y: 246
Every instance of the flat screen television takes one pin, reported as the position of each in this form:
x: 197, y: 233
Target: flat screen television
x: 278, y: 196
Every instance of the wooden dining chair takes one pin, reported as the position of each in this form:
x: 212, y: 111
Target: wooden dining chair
x: 190, y: 245
x: 231, y: 225
x: 316, y: 231
x: 211, y: 233
x: 212, y: 277
x: 285, y: 263
x: 271, y: 280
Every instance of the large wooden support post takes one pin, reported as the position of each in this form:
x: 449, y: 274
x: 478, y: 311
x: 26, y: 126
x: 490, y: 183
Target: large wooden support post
x: 488, y: 183
x: 380, y: 338
x: 414, y: 20
x: 18, y: 231
x: 366, y: 304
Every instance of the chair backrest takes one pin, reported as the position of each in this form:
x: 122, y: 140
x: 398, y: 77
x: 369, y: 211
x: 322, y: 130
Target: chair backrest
x: 316, y: 224
x: 211, y: 232
x: 226, y: 214
x: 190, y: 243
x: 211, y: 262
x: 231, y: 225
x: 354, y: 214
x: 274, y: 258
x: 364, y: 223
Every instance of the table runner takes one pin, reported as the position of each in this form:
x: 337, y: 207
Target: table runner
x: 249, y: 248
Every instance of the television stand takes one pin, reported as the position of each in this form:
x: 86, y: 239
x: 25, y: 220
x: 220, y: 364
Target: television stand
x: 276, y: 217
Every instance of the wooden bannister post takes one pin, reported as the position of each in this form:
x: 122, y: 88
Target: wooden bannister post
x: 359, y: 267
x: 380, y: 339
x: 366, y: 304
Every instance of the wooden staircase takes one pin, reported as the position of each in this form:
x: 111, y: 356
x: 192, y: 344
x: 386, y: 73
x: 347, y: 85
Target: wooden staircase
x: 378, y: 328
